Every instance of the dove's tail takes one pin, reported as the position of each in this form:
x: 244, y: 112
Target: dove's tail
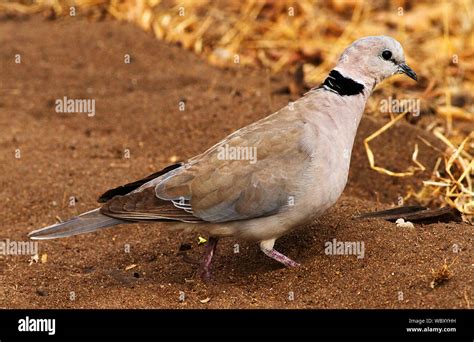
x: 88, y: 222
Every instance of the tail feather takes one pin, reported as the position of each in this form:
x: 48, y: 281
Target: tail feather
x: 88, y: 222
x: 394, y: 212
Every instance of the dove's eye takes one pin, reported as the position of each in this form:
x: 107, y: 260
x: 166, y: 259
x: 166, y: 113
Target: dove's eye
x: 386, y: 55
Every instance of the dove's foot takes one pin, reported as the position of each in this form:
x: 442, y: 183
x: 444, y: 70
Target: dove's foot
x: 267, y: 248
x: 204, y: 270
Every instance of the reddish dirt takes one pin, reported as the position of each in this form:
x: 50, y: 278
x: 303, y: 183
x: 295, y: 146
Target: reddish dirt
x: 65, y: 155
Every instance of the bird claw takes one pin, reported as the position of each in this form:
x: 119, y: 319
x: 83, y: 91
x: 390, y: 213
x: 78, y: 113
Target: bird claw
x: 205, y: 274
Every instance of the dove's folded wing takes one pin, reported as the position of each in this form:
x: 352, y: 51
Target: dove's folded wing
x: 222, y: 188
x: 250, y: 174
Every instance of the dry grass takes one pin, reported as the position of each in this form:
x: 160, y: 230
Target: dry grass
x: 438, y: 37
x: 411, y: 170
x: 442, y: 274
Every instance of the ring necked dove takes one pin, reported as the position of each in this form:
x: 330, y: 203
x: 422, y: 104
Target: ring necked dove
x: 265, y: 179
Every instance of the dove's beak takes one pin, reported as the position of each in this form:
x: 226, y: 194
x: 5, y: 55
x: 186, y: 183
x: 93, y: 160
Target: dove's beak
x: 405, y: 69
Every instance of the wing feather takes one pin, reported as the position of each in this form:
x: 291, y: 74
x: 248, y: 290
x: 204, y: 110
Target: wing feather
x: 227, y: 189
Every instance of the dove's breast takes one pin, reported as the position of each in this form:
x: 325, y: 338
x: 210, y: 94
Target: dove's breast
x: 331, y: 125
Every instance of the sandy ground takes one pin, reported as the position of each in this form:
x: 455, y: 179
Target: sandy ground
x: 64, y: 155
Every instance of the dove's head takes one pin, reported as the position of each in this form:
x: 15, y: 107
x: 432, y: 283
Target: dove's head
x: 370, y: 60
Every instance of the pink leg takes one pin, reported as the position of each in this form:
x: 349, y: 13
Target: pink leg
x: 272, y: 253
x: 204, y: 270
